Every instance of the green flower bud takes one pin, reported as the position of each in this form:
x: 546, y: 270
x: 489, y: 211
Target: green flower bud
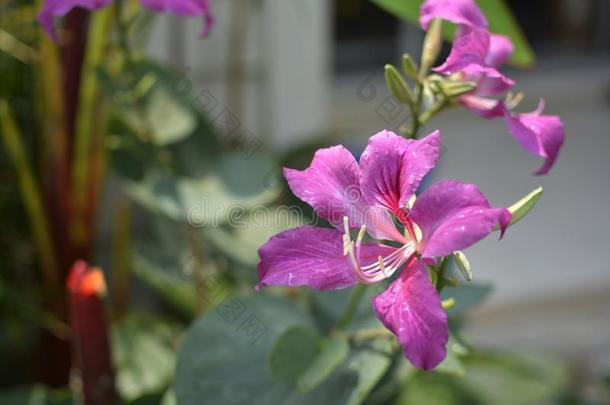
x: 523, y: 206
x: 397, y: 85
x: 409, y: 66
x: 432, y: 47
x: 463, y: 264
x: 456, y: 89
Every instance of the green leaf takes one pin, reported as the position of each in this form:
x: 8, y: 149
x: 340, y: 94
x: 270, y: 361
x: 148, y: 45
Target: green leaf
x: 34, y: 395
x: 370, y: 362
x: 143, y: 355
x: 253, y: 231
x: 323, y: 364
x: 233, y: 186
x: 222, y: 358
x: 178, y: 292
x: 496, y: 377
x: 452, y: 364
x: 170, y: 121
x: 293, y: 352
x: 501, y: 21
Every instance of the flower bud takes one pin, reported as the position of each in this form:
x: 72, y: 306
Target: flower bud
x: 463, y: 264
x: 431, y: 47
x: 456, y: 89
x: 409, y: 66
x: 523, y: 206
x: 397, y: 85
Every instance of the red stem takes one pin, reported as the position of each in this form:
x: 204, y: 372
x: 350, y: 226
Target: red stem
x: 90, y: 346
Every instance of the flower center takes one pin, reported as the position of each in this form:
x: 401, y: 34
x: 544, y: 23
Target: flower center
x: 378, y: 270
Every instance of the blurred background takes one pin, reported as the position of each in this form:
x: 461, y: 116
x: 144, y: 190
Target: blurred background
x: 551, y: 273
x: 290, y: 76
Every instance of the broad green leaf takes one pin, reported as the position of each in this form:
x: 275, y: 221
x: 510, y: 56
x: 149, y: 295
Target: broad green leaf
x: 293, y: 352
x: 222, y: 358
x: 323, y: 364
x: 501, y: 21
x: 370, y: 363
x: 234, y: 186
x: 255, y: 228
x: 142, y: 349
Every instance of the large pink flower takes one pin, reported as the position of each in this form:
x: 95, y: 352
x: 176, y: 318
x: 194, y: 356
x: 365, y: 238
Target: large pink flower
x: 184, y: 8
x: 370, y: 195
x: 475, y: 56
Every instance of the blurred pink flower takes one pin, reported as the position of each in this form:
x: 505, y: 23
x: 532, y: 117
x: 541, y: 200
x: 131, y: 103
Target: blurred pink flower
x: 448, y: 216
x: 475, y: 56
x: 184, y: 8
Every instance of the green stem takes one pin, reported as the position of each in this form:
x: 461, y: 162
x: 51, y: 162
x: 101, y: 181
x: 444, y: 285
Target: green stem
x: 440, y: 276
x: 435, y: 109
x: 32, y: 199
x: 86, y: 124
x: 352, y: 307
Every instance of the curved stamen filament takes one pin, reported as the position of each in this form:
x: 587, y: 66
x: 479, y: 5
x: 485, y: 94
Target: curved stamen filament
x: 383, y: 268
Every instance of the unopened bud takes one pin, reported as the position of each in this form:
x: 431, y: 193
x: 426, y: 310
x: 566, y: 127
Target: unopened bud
x: 397, y: 85
x: 455, y: 89
x: 523, y: 206
x: 463, y: 264
x: 431, y: 47
x: 409, y: 66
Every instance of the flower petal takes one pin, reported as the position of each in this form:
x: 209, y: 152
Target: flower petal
x: 453, y: 216
x: 465, y: 12
x: 331, y: 186
x: 485, y: 107
x: 311, y: 256
x: 411, y: 309
x: 490, y: 81
x: 540, y: 135
x: 392, y: 167
x: 470, y: 46
x: 500, y: 49
x: 184, y: 8
x: 59, y: 8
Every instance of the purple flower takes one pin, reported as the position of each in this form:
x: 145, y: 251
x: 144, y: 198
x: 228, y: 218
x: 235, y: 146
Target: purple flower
x: 185, y: 8
x: 475, y: 56
x: 540, y: 135
x: 370, y: 195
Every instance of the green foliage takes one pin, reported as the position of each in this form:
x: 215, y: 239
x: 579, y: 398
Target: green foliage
x: 500, y: 19
x: 334, y: 352
x: 223, y: 357
x: 142, y: 348
x: 35, y: 395
x: 293, y: 352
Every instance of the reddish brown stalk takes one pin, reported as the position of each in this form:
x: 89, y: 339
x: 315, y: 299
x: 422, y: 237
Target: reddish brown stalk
x: 55, y: 353
x: 90, y: 346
